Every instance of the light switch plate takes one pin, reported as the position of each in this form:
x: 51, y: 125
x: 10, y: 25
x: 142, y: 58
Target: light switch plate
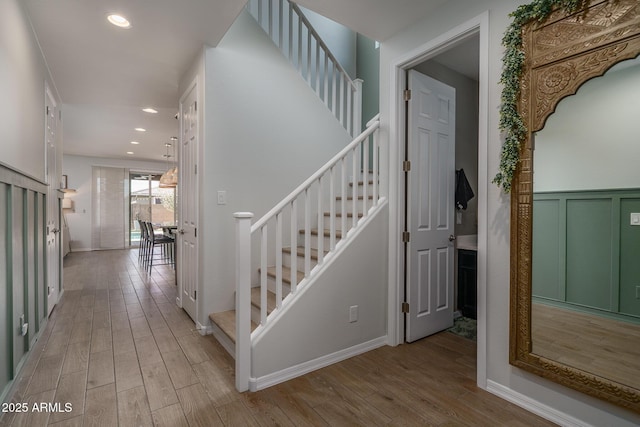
x: 222, y: 197
x: 635, y: 218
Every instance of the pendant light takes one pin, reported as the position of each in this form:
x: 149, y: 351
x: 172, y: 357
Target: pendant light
x: 169, y: 179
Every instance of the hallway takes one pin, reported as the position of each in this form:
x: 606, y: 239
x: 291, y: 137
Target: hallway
x: 119, y: 351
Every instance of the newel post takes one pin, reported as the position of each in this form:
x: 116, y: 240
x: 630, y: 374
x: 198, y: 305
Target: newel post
x: 357, y: 107
x: 243, y: 299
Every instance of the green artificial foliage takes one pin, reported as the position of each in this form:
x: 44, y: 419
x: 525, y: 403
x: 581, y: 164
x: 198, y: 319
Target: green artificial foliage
x: 511, y: 122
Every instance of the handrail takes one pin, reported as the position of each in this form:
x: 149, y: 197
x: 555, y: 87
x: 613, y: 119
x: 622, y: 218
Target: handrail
x: 304, y: 19
x: 313, y: 60
x: 372, y: 125
x: 314, y: 201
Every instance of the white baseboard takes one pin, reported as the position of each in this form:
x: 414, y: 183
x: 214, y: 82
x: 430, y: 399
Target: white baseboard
x: 272, y: 379
x: 534, y: 406
x: 203, y: 330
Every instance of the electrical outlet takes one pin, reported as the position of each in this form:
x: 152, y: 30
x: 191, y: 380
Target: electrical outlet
x: 353, y: 313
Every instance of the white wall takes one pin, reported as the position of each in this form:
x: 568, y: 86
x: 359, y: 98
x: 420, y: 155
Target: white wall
x: 23, y: 73
x: 591, y: 141
x: 79, y: 174
x: 499, y: 373
x: 317, y: 324
x: 264, y: 132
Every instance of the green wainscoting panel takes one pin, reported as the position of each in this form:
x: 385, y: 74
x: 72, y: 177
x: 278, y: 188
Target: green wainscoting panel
x: 598, y: 251
x: 30, y: 267
x: 589, y: 248
x: 5, y: 241
x: 18, y: 276
x: 629, y: 258
x: 547, y: 274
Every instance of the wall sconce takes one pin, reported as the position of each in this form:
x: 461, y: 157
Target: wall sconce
x: 67, y: 204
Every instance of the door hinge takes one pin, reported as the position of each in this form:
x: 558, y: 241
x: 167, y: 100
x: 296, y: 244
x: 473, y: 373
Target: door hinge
x: 195, y: 169
x: 406, y: 237
x: 405, y: 307
x: 195, y: 232
x: 195, y: 294
x: 47, y: 110
x: 195, y: 106
x: 407, y: 95
x: 406, y: 166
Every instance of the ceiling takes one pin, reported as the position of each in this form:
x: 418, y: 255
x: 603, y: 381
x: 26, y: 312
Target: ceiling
x: 106, y: 75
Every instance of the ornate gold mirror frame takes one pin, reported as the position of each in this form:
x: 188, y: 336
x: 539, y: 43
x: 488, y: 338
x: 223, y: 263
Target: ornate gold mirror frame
x: 561, y: 54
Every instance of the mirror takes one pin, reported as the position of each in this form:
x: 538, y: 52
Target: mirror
x: 575, y: 293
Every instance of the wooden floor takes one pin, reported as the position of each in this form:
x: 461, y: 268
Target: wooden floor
x: 122, y: 354
x: 605, y: 347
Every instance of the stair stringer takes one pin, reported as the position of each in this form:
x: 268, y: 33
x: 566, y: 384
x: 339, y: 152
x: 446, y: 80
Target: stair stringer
x: 313, y: 330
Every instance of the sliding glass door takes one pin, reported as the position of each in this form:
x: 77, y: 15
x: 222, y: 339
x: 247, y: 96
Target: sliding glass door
x: 149, y: 202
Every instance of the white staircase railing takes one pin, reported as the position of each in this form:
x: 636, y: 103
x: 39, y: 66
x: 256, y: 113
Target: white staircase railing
x: 292, y: 32
x: 349, y: 180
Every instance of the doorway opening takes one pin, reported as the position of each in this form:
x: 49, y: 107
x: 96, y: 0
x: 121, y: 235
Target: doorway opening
x: 149, y: 202
x: 476, y: 27
x: 441, y: 209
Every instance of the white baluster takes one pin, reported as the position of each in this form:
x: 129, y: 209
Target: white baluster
x: 332, y: 209
x: 294, y: 245
x: 320, y: 247
x: 279, y: 260
x: 307, y: 233
x: 365, y: 176
x: 343, y: 205
x: 263, y: 274
x: 326, y: 79
x: 375, y: 167
x: 354, y: 204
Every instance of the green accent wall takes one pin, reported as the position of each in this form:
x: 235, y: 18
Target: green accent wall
x: 22, y: 270
x: 368, y: 69
x: 629, y: 258
x: 585, y: 252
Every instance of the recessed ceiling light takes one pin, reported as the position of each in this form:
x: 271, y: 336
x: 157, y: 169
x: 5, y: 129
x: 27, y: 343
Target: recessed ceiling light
x: 141, y: 129
x: 119, y: 21
x: 129, y: 152
x: 150, y: 110
x: 135, y: 142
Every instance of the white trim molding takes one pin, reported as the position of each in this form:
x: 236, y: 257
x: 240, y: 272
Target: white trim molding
x: 534, y: 406
x: 274, y: 378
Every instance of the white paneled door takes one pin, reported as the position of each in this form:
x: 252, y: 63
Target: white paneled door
x: 430, y: 206
x: 53, y: 234
x: 188, y: 200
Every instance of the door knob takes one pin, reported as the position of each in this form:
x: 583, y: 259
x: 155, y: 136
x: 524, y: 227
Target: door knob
x: 452, y: 237
x: 55, y: 231
x: 181, y: 231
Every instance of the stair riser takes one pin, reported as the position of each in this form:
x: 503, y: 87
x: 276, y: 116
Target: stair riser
x: 286, y: 261
x: 271, y: 285
x: 349, y: 205
x: 358, y: 190
x: 314, y: 242
x: 327, y: 223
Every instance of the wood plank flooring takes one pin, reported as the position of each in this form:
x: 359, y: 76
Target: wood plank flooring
x: 122, y: 354
x: 596, y: 344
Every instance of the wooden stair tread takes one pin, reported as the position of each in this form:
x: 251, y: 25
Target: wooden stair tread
x: 339, y: 214
x: 351, y: 198
x: 300, y: 252
x: 226, y: 321
x: 327, y: 232
x: 370, y: 182
x: 255, y: 299
x: 286, y: 274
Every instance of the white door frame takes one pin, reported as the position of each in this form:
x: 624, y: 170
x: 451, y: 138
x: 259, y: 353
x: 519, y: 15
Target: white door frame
x: 397, y: 133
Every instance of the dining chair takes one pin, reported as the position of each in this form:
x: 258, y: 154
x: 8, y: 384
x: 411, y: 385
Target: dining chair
x: 165, y: 243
